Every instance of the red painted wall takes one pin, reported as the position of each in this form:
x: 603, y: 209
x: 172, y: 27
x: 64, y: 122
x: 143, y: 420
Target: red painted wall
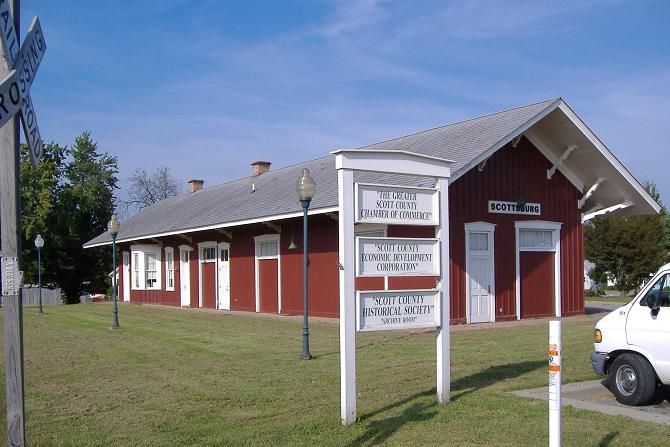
x: 510, y: 174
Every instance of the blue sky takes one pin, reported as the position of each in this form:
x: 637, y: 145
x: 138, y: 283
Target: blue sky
x: 207, y: 87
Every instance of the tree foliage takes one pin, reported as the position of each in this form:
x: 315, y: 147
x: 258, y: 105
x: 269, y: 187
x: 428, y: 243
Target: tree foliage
x: 627, y: 249
x: 147, y: 188
x: 68, y: 198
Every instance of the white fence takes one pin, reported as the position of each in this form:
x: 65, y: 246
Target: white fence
x: 31, y: 296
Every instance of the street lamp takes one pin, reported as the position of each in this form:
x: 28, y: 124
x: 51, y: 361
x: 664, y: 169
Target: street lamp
x: 39, y: 243
x: 113, y: 228
x: 305, y: 187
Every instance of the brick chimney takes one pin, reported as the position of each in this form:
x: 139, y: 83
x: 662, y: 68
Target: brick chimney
x: 259, y: 167
x: 195, y: 185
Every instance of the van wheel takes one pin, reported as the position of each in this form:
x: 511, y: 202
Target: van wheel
x: 632, y: 380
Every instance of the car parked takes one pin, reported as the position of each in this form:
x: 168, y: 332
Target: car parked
x: 632, y: 343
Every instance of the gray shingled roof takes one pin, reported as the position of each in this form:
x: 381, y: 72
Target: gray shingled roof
x: 274, y: 195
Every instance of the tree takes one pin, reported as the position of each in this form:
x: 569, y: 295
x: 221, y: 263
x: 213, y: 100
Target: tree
x: 41, y: 187
x: 68, y: 198
x: 149, y: 188
x: 626, y: 249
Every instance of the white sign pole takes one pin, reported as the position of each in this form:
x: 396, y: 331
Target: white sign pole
x: 443, y: 333
x: 347, y: 265
x: 555, y: 383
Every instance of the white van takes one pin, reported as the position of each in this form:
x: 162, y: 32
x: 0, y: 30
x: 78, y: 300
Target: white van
x: 632, y: 343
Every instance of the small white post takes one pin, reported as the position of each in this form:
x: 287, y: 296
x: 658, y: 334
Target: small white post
x: 555, y: 383
x: 443, y: 333
x: 347, y: 262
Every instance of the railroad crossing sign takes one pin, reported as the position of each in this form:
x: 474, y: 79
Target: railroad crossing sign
x: 14, y: 89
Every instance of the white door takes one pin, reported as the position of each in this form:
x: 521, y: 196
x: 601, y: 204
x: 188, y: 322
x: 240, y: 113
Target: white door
x: 223, y: 274
x: 184, y: 277
x: 480, y: 276
x: 126, y: 276
x: 651, y: 332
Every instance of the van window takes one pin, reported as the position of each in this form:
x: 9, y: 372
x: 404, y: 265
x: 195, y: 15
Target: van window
x: 660, y: 289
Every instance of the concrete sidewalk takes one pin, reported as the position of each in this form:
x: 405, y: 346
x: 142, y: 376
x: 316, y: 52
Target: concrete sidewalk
x: 593, y: 395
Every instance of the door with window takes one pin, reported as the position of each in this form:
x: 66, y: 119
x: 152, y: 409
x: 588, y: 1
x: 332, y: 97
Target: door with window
x: 223, y: 270
x: 538, y: 255
x: 267, y: 273
x: 208, y: 276
x: 481, y: 295
x: 184, y: 276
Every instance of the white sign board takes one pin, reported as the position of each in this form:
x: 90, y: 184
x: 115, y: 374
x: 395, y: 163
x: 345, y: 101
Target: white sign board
x: 498, y: 207
x: 399, y: 205
x: 393, y: 256
x: 397, y: 309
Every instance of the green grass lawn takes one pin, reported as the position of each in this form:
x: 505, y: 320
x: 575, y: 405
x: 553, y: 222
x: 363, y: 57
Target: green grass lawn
x: 171, y: 377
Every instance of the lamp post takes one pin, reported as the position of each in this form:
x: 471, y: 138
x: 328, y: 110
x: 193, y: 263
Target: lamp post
x: 113, y: 228
x: 305, y: 187
x: 39, y: 243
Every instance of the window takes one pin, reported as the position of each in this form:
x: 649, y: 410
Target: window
x: 479, y: 242
x: 269, y: 248
x: 208, y: 254
x: 535, y: 239
x: 151, y: 276
x: 661, y: 290
x: 147, y: 266
x: 136, y: 271
x: 224, y: 255
x: 169, y: 269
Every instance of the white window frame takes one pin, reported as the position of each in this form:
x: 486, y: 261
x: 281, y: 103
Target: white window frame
x: 169, y: 272
x: 258, y: 240
x: 555, y: 228
x: 480, y: 227
x: 138, y: 260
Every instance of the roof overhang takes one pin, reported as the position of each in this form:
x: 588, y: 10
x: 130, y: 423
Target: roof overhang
x: 575, y: 151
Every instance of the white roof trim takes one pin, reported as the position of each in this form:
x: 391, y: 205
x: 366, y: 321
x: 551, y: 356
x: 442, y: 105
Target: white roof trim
x: 608, y: 155
x: 216, y: 226
x: 506, y: 139
x: 609, y: 209
x: 539, y: 144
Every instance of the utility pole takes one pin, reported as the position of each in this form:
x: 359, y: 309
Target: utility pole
x: 11, y: 250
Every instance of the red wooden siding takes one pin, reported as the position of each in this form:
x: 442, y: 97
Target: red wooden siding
x: 537, y: 283
x: 511, y: 174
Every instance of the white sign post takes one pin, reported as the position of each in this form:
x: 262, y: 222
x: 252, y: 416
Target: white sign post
x: 365, y: 256
x: 555, y: 383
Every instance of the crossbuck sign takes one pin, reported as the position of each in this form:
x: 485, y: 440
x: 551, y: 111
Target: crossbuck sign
x: 14, y: 89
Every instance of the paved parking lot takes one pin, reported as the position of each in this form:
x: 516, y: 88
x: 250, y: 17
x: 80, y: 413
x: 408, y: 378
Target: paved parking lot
x: 594, y: 396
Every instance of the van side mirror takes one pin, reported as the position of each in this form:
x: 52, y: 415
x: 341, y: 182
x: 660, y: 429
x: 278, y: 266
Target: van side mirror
x: 652, y: 302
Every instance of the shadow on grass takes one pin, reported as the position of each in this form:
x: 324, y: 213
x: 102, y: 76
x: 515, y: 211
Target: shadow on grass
x: 379, y: 431
x: 492, y: 375
x: 608, y: 438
